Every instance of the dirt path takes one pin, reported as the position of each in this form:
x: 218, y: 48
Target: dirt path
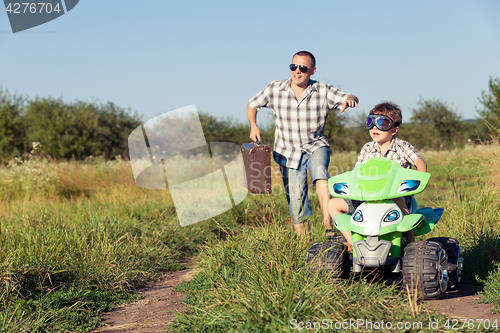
x: 462, y: 304
x: 155, y: 311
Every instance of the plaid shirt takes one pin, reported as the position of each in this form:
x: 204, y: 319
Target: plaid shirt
x: 400, y: 151
x: 299, y: 125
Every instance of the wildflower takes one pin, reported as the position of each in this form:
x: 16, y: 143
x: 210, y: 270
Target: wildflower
x: 37, y: 146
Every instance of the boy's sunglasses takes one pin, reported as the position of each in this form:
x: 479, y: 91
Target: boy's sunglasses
x: 383, y: 123
x: 303, y: 69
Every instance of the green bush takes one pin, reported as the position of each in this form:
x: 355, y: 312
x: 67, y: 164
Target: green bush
x: 78, y: 130
x: 12, y: 132
x: 491, y: 103
x: 491, y: 291
x: 64, y: 130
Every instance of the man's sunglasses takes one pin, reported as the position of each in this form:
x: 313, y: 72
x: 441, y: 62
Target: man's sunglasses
x: 303, y: 69
x: 383, y: 123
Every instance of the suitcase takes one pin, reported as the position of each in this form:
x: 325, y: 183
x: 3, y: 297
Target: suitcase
x: 257, y: 167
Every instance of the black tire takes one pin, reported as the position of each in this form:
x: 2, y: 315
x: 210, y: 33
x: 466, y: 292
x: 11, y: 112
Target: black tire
x: 424, y: 269
x: 455, y: 259
x: 329, y: 257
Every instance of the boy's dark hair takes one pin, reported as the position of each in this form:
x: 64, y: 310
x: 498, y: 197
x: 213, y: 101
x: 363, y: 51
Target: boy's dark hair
x: 308, y: 54
x: 390, y: 110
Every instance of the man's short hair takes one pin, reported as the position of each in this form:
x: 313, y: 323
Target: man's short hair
x: 308, y: 54
x: 390, y: 110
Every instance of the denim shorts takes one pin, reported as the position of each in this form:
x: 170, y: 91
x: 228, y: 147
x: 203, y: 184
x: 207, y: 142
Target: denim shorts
x: 295, y: 182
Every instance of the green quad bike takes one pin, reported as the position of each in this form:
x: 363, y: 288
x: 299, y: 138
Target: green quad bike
x: 377, y: 226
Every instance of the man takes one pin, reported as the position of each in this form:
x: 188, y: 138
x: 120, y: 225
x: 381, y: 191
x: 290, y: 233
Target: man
x: 300, y: 107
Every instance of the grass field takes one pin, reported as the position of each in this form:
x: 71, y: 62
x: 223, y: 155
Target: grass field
x: 256, y: 279
x: 75, y: 238
x: 78, y: 237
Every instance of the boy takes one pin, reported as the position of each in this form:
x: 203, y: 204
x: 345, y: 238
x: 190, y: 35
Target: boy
x: 383, y: 124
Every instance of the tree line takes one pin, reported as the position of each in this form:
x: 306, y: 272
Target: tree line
x: 80, y: 129
x: 434, y: 124
x: 64, y: 130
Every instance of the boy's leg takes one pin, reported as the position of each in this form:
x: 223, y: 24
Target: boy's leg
x: 339, y: 206
x: 410, y: 236
x: 401, y: 203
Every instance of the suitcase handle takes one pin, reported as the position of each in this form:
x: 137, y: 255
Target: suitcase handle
x: 256, y: 144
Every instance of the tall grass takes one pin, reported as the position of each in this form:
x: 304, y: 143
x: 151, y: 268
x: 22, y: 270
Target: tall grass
x: 469, y: 192
x: 472, y: 214
x: 78, y: 237
x: 75, y: 238
x: 257, y: 280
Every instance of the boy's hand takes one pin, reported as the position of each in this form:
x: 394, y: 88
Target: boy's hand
x: 351, y: 102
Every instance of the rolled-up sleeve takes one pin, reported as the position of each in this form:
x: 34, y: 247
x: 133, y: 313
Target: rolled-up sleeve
x: 335, y: 98
x: 261, y: 100
x: 411, y: 153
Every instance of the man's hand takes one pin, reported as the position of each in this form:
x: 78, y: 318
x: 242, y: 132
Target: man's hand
x: 255, y: 134
x: 351, y: 102
x: 252, y: 120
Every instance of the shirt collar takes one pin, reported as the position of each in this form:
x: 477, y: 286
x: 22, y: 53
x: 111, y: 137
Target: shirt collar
x: 376, y: 148
x: 313, y: 85
x: 392, y: 146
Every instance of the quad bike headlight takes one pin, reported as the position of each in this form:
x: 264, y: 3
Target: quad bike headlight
x: 392, y: 216
x: 358, y: 216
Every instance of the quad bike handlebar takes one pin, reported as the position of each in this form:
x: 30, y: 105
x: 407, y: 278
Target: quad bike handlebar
x: 379, y: 178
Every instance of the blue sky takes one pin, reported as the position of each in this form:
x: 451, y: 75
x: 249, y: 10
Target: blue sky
x: 157, y: 56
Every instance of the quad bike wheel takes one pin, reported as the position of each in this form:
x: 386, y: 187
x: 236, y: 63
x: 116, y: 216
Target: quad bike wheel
x: 455, y: 259
x: 425, y: 267
x: 330, y: 257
